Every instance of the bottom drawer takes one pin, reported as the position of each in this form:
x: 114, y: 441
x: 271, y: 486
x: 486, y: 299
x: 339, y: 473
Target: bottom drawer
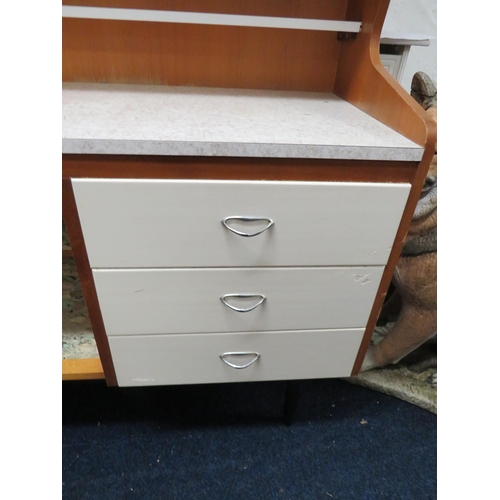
x: 209, y: 358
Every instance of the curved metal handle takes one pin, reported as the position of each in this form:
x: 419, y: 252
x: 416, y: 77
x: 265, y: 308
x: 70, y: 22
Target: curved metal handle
x: 240, y: 367
x: 243, y: 296
x: 247, y: 219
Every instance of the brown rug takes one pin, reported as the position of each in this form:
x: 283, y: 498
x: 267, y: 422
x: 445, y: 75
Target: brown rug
x: 413, y: 379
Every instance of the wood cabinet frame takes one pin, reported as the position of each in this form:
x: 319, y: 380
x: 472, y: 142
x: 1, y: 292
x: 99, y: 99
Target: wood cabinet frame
x: 354, y: 73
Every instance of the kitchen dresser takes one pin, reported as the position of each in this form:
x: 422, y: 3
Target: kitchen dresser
x: 238, y: 180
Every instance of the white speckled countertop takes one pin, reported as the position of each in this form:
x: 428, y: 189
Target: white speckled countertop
x: 191, y: 121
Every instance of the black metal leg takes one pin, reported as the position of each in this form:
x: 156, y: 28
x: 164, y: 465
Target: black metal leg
x: 291, y: 398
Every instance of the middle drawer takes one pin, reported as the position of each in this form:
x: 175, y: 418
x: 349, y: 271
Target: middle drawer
x: 163, y: 301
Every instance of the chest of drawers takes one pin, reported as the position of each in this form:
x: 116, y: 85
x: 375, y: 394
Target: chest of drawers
x: 229, y: 234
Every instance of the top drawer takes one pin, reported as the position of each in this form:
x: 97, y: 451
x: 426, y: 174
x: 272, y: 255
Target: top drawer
x: 178, y: 223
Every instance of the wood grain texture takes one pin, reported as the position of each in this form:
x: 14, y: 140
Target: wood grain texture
x: 397, y: 247
x: 72, y: 223
x: 394, y: 256
x: 313, y: 9
x: 82, y: 369
x: 365, y: 83
x: 275, y: 169
x: 212, y: 56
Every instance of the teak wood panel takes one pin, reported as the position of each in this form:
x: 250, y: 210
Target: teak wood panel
x: 270, y: 169
x: 195, y: 359
x: 174, y: 301
x: 313, y: 9
x: 82, y: 369
x: 202, y: 55
x: 73, y: 227
x: 364, y: 82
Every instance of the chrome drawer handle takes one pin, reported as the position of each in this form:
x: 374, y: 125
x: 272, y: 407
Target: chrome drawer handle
x: 240, y: 367
x: 270, y: 222
x: 242, y: 296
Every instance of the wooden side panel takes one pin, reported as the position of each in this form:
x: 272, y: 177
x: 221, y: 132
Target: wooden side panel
x: 365, y: 83
x: 397, y: 246
x: 195, y: 359
x: 213, y: 56
x: 72, y: 222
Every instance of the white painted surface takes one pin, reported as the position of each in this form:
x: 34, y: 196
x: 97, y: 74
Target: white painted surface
x: 194, y: 359
x: 176, y: 223
x: 165, y: 16
x: 407, y: 39
x: 392, y: 63
x: 190, y: 121
x: 413, y: 19
x: 158, y: 301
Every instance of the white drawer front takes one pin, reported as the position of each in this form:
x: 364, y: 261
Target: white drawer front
x: 158, y: 301
x: 176, y: 223
x: 195, y: 359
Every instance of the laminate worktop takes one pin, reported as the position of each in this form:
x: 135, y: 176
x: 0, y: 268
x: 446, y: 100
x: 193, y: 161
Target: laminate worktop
x: 194, y: 121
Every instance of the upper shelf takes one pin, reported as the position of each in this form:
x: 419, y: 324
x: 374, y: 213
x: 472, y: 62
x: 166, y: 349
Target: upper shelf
x: 320, y: 46
x: 207, y: 18
x: 278, y: 45
x: 194, y: 121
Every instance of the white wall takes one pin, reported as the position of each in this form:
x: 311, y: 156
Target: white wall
x: 417, y: 17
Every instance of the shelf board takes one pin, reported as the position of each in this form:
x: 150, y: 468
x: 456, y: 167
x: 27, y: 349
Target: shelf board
x: 80, y: 358
x: 207, y: 18
x: 123, y: 119
x: 82, y: 369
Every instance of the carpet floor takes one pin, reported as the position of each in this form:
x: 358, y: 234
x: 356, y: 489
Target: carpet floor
x: 229, y: 441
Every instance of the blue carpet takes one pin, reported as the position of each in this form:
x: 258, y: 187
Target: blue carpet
x: 229, y: 442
